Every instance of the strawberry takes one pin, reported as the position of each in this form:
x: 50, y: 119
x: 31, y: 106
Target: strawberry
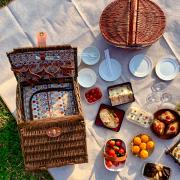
x: 118, y: 143
x: 111, y: 152
x: 122, y: 151
x: 111, y: 143
x: 108, y: 163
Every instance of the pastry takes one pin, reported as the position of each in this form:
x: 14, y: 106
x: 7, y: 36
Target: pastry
x: 120, y: 95
x: 172, y: 128
x: 167, y: 117
x: 139, y: 116
x: 156, y: 171
x: 109, y: 118
x: 158, y: 127
x: 176, y: 152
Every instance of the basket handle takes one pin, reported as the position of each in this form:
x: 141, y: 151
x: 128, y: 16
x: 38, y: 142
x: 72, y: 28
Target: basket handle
x: 117, y: 159
x: 53, y: 132
x: 133, y: 21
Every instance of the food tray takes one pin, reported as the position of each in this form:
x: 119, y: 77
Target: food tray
x: 160, y: 166
x: 122, y: 165
x: 119, y: 113
x: 139, y: 117
x: 170, y: 151
x: 95, y: 93
x: 124, y: 98
x: 177, y: 119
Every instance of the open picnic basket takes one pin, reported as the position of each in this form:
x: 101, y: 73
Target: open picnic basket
x: 49, y: 113
x: 132, y: 23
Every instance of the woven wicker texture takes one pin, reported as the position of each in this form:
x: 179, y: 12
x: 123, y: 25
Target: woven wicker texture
x: 41, y: 151
x: 132, y: 23
x: 49, y: 142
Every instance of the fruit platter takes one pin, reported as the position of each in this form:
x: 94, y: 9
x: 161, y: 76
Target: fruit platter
x: 166, y: 124
x: 142, y: 146
x: 114, y: 154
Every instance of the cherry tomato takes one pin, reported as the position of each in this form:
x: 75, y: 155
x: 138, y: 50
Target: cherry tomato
x: 118, y: 143
x: 108, y: 163
x: 90, y: 101
x: 111, y: 152
x: 111, y: 143
x: 93, y: 91
x: 94, y: 99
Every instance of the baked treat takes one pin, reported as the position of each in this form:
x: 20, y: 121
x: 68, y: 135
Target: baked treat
x: 172, y: 128
x: 139, y: 116
x: 120, y: 95
x: 176, y: 152
x: 167, y: 117
x: 156, y: 171
x: 158, y: 127
x: 109, y: 118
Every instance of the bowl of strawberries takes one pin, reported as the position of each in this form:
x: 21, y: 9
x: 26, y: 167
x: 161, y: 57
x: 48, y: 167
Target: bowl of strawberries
x: 114, y: 154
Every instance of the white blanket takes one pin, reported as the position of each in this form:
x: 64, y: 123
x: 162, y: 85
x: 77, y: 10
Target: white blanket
x: 76, y: 22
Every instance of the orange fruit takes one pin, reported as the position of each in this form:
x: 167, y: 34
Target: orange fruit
x: 142, y: 146
x: 135, y: 149
x: 144, y: 154
x: 137, y: 140
x: 144, y: 138
x: 150, y: 145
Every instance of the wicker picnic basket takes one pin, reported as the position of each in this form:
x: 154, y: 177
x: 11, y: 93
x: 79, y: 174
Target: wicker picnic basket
x: 132, y: 23
x: 49, y: 113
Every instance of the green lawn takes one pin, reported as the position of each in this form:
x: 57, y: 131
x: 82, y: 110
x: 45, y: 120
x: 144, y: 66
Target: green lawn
x: 11, y: 161
x: 4, y: 2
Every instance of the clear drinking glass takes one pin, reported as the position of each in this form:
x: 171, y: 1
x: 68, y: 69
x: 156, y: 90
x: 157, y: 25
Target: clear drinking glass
x: 158, y: 87
x: 152, y: 98
x: 166, y: 97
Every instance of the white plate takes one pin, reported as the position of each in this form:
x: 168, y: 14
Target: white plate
x: 116, y: 70
x: 140, y: 65
x: 90, y: 55
x: 167, y: 69
x: 86, y: 77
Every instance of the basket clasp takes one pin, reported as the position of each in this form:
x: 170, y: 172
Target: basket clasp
x: 53, y: 132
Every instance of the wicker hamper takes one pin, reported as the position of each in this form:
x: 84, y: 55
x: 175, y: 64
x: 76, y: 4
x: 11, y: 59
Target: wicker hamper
x: 132, y: 23
x: 49, y: 113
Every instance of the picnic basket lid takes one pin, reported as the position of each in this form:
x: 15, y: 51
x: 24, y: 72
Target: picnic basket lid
x: 33, y: 64
x: 132, y: 23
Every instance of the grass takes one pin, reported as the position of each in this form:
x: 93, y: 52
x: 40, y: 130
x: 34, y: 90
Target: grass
x: 11, y: 160
x: 4, y: 2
